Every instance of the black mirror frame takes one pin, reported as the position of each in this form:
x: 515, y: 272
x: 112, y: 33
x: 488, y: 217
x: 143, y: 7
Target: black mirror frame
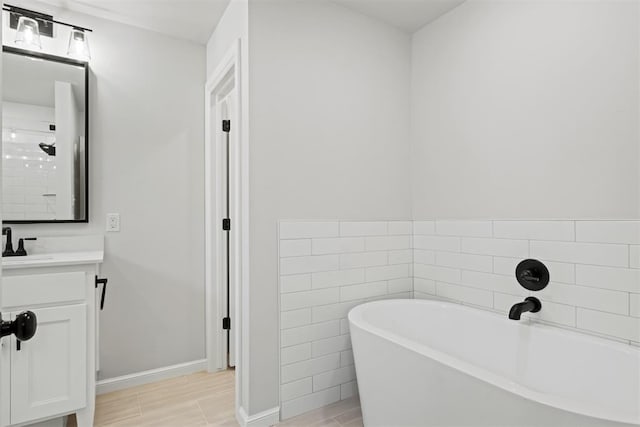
x: 84, y: 65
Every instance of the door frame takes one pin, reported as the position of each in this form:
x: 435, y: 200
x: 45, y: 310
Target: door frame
x: 5, y: 374
x: 229, y: 67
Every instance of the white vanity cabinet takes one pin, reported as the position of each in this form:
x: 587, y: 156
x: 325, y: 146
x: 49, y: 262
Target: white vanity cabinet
x: 49, y: 372
x: 54, y: 373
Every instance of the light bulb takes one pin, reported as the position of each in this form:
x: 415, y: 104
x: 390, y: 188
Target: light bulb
x: 13, y: 134
x: 28, y: 33
x: 79, y: 45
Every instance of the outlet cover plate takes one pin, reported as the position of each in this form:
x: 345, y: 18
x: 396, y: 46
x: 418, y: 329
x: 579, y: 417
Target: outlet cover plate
x: 113, y: 222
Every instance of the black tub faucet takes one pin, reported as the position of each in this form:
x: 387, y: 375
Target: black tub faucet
x: 531, y: 304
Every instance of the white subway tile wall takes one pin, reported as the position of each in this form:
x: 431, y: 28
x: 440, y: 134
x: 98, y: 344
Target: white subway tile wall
x: 29, y: 183
x: 594, y: 268
x: 327, y: 268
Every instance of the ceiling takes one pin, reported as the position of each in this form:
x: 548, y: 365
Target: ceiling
x: 408, y: 15
x: 195, y: 20
x: 186, y: 19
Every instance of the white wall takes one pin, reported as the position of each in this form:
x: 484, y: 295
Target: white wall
x: 329, y: 120
x: 233, y: 25
x: 527, y: 109
x: 146, y: 162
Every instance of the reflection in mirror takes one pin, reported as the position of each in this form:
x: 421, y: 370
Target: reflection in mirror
x: 44, y: 122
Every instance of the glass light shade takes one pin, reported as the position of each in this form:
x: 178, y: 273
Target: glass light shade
x: 28, y: 33
x: 79, y: 45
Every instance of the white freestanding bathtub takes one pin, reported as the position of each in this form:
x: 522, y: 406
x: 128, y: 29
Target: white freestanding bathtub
x: 430, y: 363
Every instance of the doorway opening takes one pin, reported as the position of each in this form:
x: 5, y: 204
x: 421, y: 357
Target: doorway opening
x: 225, y: 220
x: 227, y: 136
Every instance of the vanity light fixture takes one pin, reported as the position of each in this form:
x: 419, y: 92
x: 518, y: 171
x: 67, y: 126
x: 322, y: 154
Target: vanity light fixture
x: 28, y: 33
x: 79, y: 45
x: 30, y: 25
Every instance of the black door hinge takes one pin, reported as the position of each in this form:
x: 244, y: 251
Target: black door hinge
x: 226, y: 125
x: 226, y: 323
x: 226, y: 224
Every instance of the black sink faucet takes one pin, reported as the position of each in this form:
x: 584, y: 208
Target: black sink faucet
x: 8, y: 249
x: 531, y: 304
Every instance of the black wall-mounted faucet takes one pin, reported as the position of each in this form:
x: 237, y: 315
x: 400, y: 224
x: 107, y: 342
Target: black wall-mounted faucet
x: 530, y: 304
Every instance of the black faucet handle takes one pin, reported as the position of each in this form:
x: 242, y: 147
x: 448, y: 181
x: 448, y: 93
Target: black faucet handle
x: 532, y: 275
x: 529, y: 276
x: 21, y: 251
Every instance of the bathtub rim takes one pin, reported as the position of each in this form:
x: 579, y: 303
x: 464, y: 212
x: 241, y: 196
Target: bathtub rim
x: 355, y: 317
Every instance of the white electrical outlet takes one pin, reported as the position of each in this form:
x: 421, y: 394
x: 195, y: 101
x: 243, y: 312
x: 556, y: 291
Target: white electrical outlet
x: 113, y: 222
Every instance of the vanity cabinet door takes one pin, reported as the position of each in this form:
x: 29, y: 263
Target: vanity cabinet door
x: 49, y: 372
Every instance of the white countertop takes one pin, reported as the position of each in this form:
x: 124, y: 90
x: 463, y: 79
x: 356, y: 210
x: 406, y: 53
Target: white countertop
x: 53, y: 259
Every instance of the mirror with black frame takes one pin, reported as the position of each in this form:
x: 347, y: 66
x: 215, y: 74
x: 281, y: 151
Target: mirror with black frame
x: 45, y: 118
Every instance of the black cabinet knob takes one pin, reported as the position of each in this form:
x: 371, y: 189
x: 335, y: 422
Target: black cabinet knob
x: 23, y: 327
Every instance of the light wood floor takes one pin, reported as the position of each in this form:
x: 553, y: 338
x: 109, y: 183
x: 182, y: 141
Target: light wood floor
x: 200, y: 399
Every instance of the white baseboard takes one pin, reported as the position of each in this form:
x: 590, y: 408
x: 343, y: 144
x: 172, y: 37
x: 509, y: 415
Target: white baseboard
x: 153, y: 375
x: 266, y: 418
